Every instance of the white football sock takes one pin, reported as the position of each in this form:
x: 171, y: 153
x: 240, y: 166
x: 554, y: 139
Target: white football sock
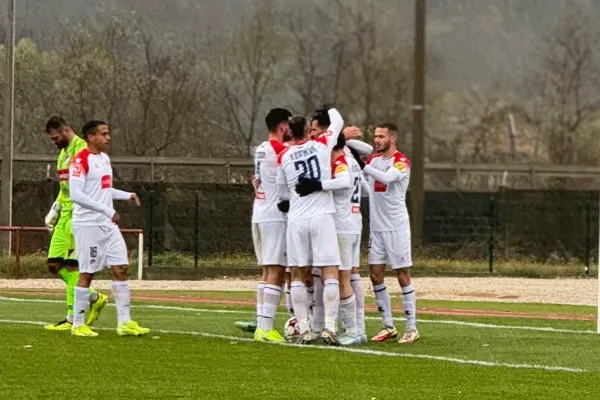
x: 331, y: 300
x: 310, y: 295
x: 317, y: 323
x: 122, y: 296
x: 288, y: 300
x: 409, y: 298
x: 384, y: 304
x: 81, y: 303
x: 260, y: 289
x: 348, y: 315
x: 272, y: 296
x: 300, y: 302
x: 360, y: 303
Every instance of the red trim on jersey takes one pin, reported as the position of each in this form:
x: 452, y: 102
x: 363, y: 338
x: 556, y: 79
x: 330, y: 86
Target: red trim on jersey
x: 80, y: 163
x: 280, y: 155
x: 324, y: 138
x: 398, y: 156
x: 63, y: 175
x: 372, y: 157
x: 341, y: 160
x: 278, y: 147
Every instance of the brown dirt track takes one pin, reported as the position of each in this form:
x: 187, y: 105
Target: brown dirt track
x: 157, y: 297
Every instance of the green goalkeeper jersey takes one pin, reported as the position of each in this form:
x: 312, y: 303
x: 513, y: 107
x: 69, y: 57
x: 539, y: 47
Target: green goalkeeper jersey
x: 62, y: 168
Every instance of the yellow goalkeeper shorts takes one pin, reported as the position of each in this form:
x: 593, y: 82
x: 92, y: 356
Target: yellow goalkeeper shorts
x: 62, y: 244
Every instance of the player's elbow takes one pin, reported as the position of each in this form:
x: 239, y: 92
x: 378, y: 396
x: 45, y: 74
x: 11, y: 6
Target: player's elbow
x: 76, y: 197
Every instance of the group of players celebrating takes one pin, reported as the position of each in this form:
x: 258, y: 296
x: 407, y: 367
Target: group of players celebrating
x: 85, y: 235
x: 309, y: 179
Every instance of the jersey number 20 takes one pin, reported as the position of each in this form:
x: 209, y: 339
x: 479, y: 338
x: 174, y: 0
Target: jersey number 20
x: 309, y: 167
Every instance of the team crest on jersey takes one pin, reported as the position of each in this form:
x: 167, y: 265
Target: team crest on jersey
x: 340, y: 167
x: 399, y: 165
x: 77, y: 168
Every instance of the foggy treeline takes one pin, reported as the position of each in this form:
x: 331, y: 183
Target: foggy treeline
x: 507, y: 80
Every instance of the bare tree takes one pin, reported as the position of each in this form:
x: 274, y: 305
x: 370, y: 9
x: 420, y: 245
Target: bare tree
x: 567, y: 85
x: 246, y: 69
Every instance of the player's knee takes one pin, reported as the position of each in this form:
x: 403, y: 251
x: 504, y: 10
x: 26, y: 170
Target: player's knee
x: 119, y: 273
x: 85, y: 280
x: 299, y: 274
x: 275, y: 275
x: 54, y: 265
x: 377, y: 275
x: 71, y: 265
x: 403, y: 275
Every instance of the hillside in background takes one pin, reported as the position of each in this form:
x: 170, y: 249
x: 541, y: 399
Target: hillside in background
x: 478, y: 41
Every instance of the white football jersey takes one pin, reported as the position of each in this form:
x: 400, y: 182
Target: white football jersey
x: 90, y: 186
x: 348, y: 219
x: 387, y: 201
x: 265, y: 169
x: 311, y: 159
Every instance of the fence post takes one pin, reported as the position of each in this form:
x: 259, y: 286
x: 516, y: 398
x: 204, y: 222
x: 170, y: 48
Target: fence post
x: 588, y: 233
x: 150, y: 228
x: 196, y: 230
x: 492, y: 229
x: 18, y: 253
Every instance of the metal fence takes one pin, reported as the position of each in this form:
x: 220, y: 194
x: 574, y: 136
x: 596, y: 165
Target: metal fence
x: 195, y: 230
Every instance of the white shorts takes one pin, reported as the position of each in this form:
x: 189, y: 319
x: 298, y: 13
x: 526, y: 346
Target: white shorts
x: 391, y: 248
x: 313, y: 242
x: 349, y: 251
x: 98, y: 247
x: 269, y: 242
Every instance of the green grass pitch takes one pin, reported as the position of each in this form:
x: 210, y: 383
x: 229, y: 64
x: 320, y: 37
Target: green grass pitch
x: 195, y: 352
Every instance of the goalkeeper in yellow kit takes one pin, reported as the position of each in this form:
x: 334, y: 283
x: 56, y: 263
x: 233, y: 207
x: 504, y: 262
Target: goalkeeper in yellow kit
x: 62, y: 260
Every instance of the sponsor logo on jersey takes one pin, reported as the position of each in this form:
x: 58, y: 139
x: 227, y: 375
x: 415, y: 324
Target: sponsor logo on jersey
x: 380, y: 187
x: 106, y: 182
x: 355, y: 209
x: 261, y: 195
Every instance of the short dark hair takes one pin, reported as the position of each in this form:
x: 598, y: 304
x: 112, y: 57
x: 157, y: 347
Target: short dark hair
x: 90, y: 127
x: 341, y: 142
x: 56, y: 123
x: 275, y: 116
x: 322, y: 118
x: 298, y: 126
x: 390, y: 126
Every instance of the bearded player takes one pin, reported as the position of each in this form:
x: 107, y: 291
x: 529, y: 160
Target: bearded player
x: 62, y: 261
x: 268, y: 229
x: 388, y: 174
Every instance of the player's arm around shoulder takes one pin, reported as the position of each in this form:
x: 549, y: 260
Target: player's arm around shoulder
x: 342, y: 179
x: 398, y: 171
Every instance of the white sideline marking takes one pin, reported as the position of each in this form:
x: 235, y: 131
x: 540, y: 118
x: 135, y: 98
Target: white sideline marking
x: 347, y: 350
x: 422, y: 321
